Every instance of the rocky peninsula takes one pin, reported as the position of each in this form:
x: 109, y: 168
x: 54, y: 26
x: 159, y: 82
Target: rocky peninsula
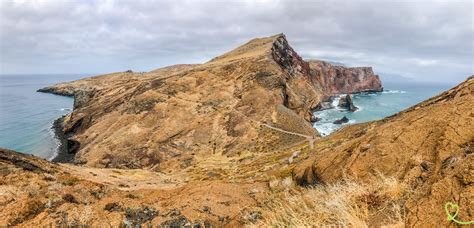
x: 160, y: 118
x: 229, y: 143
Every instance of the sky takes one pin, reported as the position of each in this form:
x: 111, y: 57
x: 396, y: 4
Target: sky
x: 422, y: 40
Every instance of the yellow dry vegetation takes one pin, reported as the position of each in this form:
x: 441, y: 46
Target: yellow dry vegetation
x: 347, y: 203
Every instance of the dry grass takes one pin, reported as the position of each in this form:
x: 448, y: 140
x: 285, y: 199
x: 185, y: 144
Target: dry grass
x: 346, y: 204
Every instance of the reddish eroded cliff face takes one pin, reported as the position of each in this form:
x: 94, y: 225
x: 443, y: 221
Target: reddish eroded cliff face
x: 288, y: 59
x: 339, y: 79
x: 298, y: 94
x: 307, y: 84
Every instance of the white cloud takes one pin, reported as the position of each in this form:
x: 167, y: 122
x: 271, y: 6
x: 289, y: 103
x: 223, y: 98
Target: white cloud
x: 429, y: 40
x: 423, y: 62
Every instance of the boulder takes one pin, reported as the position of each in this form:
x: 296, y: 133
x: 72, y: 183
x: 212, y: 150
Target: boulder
x: 315, y: 119
x: 341, y: 121
x: 346, y: 102
x: 323, y: 106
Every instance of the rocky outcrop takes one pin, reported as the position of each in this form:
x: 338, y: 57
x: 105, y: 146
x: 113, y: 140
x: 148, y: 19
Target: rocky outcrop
x: 346, y: 102
x: 427, y: 147
x: 68, y: 92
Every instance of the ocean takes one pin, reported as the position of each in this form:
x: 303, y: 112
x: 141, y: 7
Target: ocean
x: 26, y: 116
x: 374, y: 106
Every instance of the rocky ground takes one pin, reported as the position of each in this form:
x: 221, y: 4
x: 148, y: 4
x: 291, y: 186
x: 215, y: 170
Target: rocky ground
x: 229, y: 143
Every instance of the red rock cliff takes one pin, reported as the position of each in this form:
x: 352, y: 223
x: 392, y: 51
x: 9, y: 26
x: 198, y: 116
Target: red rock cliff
x: 308, y: 83
x: 339, y: 79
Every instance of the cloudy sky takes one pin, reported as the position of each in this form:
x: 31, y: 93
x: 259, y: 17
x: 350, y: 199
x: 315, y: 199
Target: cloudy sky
x: 424, y: 40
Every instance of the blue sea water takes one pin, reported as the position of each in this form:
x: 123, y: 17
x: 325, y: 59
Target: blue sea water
x: 375, y: 106
x: 26, y: 116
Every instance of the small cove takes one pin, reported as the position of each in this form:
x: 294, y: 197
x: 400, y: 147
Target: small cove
x: 375, y: 106
x: 27, y: 116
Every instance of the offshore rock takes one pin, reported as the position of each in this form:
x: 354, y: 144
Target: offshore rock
x: 346, y: 102
x: 344, y: 119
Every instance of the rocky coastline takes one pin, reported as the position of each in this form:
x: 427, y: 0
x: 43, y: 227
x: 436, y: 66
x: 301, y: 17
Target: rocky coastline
x: 229, y: 143
x: 62, y: 151
x: 67, y: 93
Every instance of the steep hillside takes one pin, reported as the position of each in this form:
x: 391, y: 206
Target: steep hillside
x: 399, y: 171
x: 428, y: 147
x: 256, y: 98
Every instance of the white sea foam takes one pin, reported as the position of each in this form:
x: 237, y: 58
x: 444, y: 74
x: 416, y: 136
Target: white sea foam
x: 57, y: 143
x: 335, y: 101
x: 394, y: 91
x: 326, y: 128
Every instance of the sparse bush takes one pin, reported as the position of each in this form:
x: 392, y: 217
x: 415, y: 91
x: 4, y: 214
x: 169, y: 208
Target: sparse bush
x: 131, y: 196
x: 26, y: 211
x: 71, y: 181
x: 263, y: 74
x: 113, y: 207
x: 69, y: 198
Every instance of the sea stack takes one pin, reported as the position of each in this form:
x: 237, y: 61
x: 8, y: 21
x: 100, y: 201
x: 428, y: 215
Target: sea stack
x: 346, y: 102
